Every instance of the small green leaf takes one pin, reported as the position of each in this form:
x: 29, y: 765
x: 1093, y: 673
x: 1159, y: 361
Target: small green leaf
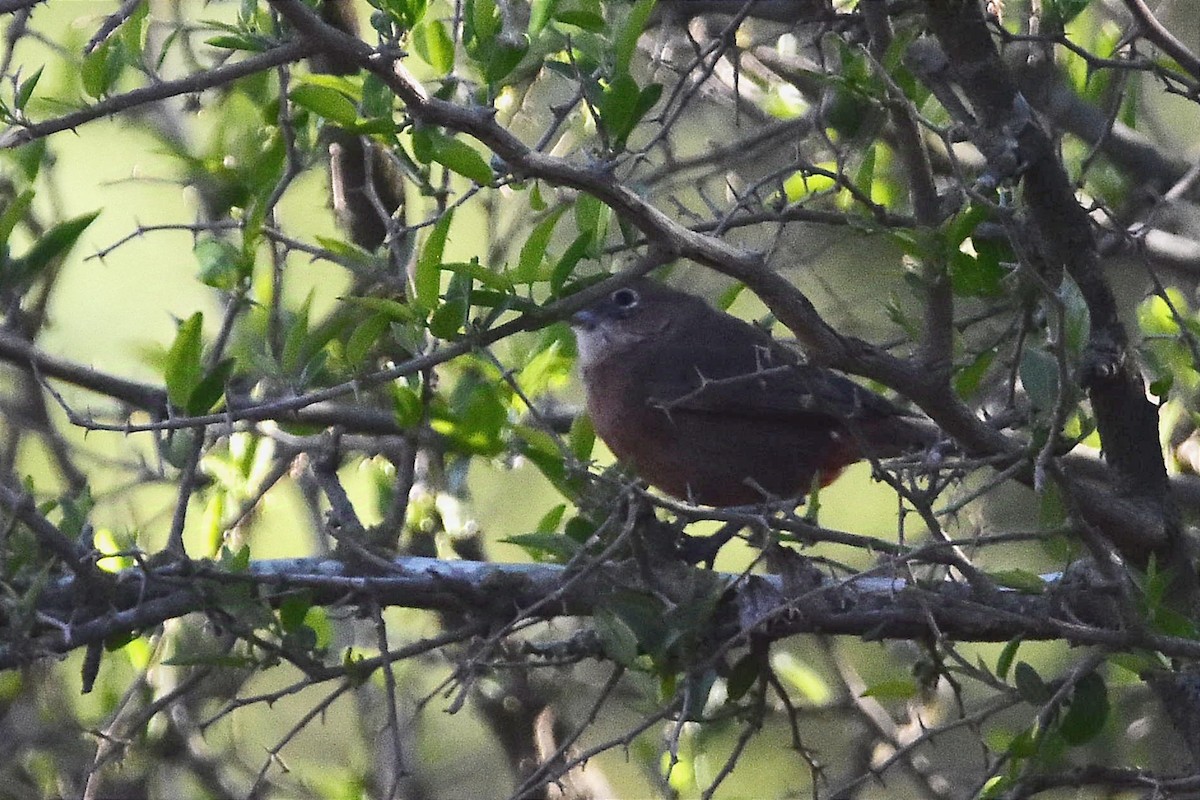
x: 540, y: 13
x: 1004, y: 662
x: 617, y: 107
x: 317, y: 618
x: 616, y: 637
x: 969, y: 378
x: 1088, y: 711
x: 448, y: 319
x: 406, y: 406
x: 1019, y: 579
x: 365, y: 336
x: 296, y: 345
x: 293, y: 610
x: 534, y: 249
x: 222, y: 264
x: 897, y: 689
x: 325, y: 102
x: 973, y: 276
x: 545, y: 547
x: 570, y: 259
x: 182, y: 373
x: 56, y: 242
x: 587, y: 20
x: 427, y: 278
x: 13, y: 214
x: 480, y: 274
x: 592, y: 218
x: 960, y: 227
x: 252, y: 44
x: 100, y: 69
x: 742, y: 675
x: 1030, y: 686
x: 626, y: 39
x: 582, y: 438
x: 552, y: 519
x: 458, y: 156
x: 211, y: 388
x: 1039, y: 376
x: 25, y: 90
x: 434, y: 45
x: 506, y: 54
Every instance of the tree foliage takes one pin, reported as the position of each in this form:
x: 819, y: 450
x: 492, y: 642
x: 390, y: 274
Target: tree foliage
x: 278, y: 517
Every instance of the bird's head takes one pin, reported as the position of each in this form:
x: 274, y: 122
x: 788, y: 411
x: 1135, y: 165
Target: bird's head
x: 635, y: 314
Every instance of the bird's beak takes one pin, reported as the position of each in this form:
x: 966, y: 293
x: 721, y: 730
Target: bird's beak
x: 586, y: 319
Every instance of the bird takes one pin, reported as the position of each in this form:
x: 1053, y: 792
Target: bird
x: 713, y: 411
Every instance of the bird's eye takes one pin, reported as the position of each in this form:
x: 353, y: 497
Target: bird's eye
x: 625, y: 298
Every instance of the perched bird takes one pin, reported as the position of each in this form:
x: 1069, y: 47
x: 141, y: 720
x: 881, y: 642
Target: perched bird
x: 712, y: 410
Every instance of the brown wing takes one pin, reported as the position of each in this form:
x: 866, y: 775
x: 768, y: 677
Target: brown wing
x: 747, y: 374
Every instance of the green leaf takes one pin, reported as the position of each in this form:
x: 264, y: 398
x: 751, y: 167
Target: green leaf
x: 1088, y: 711
x: 545, y: 547
x: 962, y: 225
x: 434, y: 45
x: 1030, y: 686
x: 365, y: 336
x: 222, y: 264
x: 617, y: 107
x: 896, y: 689
x: 394, y: 310
x: 293, y: 610
x: 407, y: 407
x: 14, y: 213
x: 506, y: 53
x: 1077, y: 319
x: 25, y: 90
x: 582, y: 438
x: 743, y: 675
x: 101, y: 68
x: 626, y: 39
x: 1063, y: 11
x: 591, y: 215
x: 1039, y: 376
x: 252, y: 44
x: 552, y: 519
x: 969, y: 378
x: 481, y: 274
x: 296, y: 344
x: 427, y: 278
x: 458, y: 156
x: 587, y: 20
x: 1019, y: 579
x: 1004, y: 662
x: 483, y: 20
x: 534, y: 250
x: 56, y: 242
x: 325, y: 102
x: 317, y: 618
x: 448, y: 319
x: 973, y: 276
x: 570, y: 259
x: 616, y: 637
x: 209, y: 391
x: 540, y: 13
x: 182, y: 373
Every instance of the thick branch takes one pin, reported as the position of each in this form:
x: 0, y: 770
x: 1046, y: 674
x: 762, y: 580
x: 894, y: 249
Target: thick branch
x: 770, y: 606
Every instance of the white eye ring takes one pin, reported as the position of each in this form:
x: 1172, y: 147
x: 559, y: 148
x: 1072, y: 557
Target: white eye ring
x: 625, y: 298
